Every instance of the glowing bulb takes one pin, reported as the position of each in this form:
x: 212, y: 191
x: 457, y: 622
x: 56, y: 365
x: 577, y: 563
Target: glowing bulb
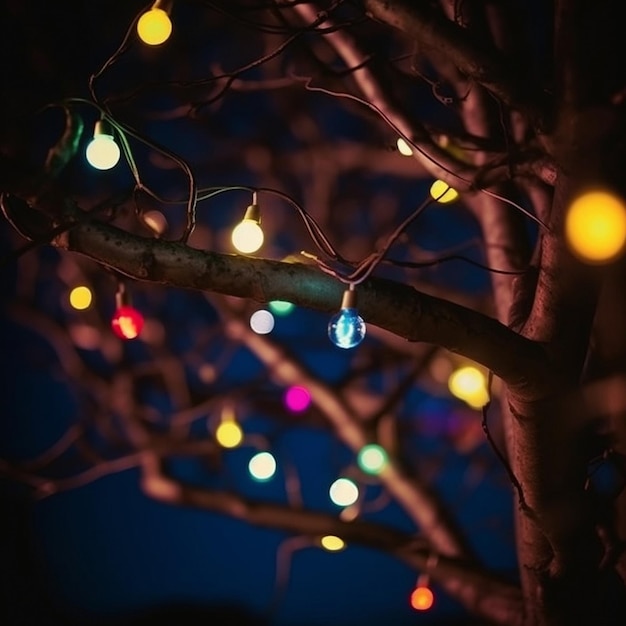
x: 262, y: 466
x: 346, y: 329
x: 422, y: 598
x: 469, y: 384
x: 403, y: 147
x: 372, y: 458
x: 343, y: 492
x: 297, y: 399
x: 229, y: 434
x: 247, y: 236
x: 80, y: 298
x: 262, y: 322
x: 595, y: 227
x: 332, y: 543
x: 127, y: 322
x: 281, y: 307
x: 102, y: 152
x: 442, y: 192
x: 154, y: 26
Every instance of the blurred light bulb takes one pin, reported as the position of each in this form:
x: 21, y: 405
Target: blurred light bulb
x: 372, y: 458
x: 332, y: 543
x: 297, y: 399
x: 262, y: 322
x: 102, y: 152
x: 344, y: 492
x: 403, y: 147
x: 422, y: 598
x: 154, y: 26
x: 155, y: 221
x: 469, y: 384
x: 247, y: 236
x: 346, y: 329
x: 127, y: 322
x: 442, y: 192
x: 262, y: 466
x: 595, y: 227
x: 229, y: 434
x: 80, y: 298
x: 281, y: 307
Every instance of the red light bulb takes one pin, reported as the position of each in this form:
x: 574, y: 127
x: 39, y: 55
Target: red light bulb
x: 127, y: 322
x: 422, y: 598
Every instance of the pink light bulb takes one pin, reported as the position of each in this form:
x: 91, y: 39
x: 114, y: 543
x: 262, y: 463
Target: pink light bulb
x: 297, y: 399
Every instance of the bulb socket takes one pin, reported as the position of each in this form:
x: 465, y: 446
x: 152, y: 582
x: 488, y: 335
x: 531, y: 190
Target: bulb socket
x: 253, y: 212
x: 102, y: 127
x: 164, y: 5
x: 349, y: 299
x: 122, y: 297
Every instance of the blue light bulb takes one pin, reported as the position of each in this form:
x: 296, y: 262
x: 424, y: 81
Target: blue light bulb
x: 346, y: 329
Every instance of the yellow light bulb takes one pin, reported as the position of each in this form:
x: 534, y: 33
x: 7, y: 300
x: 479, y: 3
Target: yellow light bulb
x: 80, y: 298
x: 229, y: 434
x: 595, y: 227
x: 332, y: 543
x: 469, y: 384
x: 442, y: 192
x: 247, y: 236
x: 102, y: 152
x: 154, y: 27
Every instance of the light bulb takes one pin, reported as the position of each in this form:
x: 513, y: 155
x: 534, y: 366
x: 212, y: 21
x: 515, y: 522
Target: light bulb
x: 281, y: 307
x: 297, y: 399
x: 229, y: 434
x: 332, y: 543
x: 80, y: 298
x: 372, y: 458
x: 262, y: 466
x: 595, y: 227
x: 469, y: 384
x: 422, y: 598
x: 102, y: 152
x: 262, y: 322
x: 247, y: 236
x: 154, y: 26
x: 404, y: 148
x: 344, y: 492
x: 346, y: 329
x: 442, y: 192
x: 127, y: 322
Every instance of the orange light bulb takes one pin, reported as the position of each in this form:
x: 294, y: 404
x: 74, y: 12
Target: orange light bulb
x: 422, y: 598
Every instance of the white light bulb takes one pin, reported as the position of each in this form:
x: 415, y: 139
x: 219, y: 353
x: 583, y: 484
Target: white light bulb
x: 343, y: 492
x: 262, y: 322
x: 102, y: 152
x: 262, y: 466
x: 247, y: 236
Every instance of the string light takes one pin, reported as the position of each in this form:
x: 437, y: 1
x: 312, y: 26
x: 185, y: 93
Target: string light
x: 102, y: 152
x: 442, y: 192
x: 403, y: 147
x: 344, y: 492
x: 347, y: 329
x: 468, y: 383
x: 228, y: 434
x: 595, y: 227
x: 422, y: 597
x: 154, y: 27
x: 281, y: 307
x: 332, y: 543
x: 127, y: 322
x: 80, y: 298
x: 262, y: 466
x: 247, y: 236
x: 262, y: 322
x: 297, y: 399
x: 372, y: 458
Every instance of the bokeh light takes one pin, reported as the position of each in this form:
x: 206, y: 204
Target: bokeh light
x: 332, y: 543
x: 229, y: 434
x: 80, y: 298
x: 154, y: 27
x: 442, y: 192
x: 595, y: 227
x: 372, y: 458
x: 297, y: 399
x: 127, y: 322
x: 422, y: 598
x: 344, y: 492
x: 262, y: 322
x: 281, y: 307
x: 262, y: 466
